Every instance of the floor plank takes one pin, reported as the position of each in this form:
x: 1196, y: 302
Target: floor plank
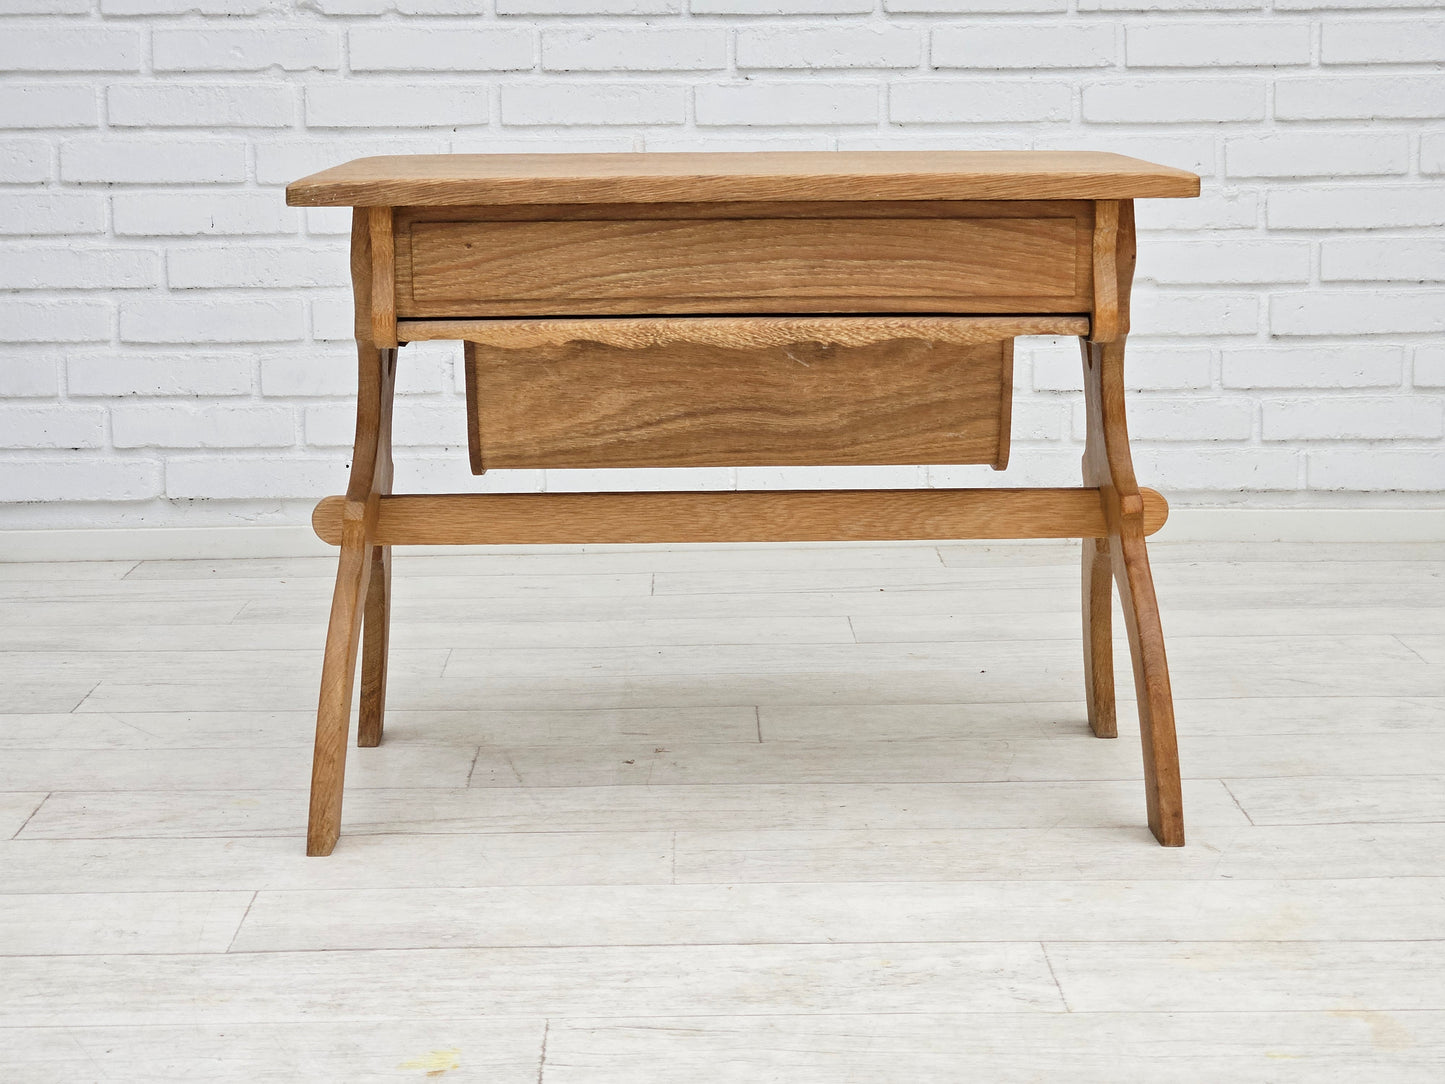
x: 567, y: 560
x: 1263, y: 976
x: 280, y: 1052
x: 95, y: 923
x: 41, y: 612
x: 1238, y: 657
x: 275, y: 862
x: 455, y: 600
x: 64, y: 689
x: 17, y: 807
x: 1429, y: 647
x: 1365, y: 799
x: 778, y: 913
x: 1215, y: 574
x: 1057, y: 623
x: 189, y: 667
x: 1018, y: 1048
x: 476, y: 634
x: 365, y: 986
x: 70, y: 571
x: 163, y: 813
x: 1299, y: 622
x: 843, y: 856
x: 305, y: 589
x: 293, y: 729
x: 1077, y: 755
x: 1212, y: 716
x: 126, y: 770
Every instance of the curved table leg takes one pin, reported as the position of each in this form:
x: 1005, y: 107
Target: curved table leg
x: 1151, y: 685
x: 1098, y: 603
x: 375, y: 633
x: 370, y: 473
x: 377, y: 624
x: 333, y: 715
x: 1107, y: 464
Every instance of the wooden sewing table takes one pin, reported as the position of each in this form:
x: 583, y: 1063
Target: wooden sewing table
x: 679, y: 310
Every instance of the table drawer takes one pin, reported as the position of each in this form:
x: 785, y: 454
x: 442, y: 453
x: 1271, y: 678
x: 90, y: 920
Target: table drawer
x: 739, y: 392
x: 969, y: 258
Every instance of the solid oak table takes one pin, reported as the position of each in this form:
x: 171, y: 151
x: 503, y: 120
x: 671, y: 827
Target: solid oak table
x: 626, y: 310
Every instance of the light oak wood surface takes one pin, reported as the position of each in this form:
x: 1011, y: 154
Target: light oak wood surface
x: 432, y: 180
x: 942, y: 264
x: 1026, y: 235
x: 359, y: 601
x: 1008, y: 256
x: 739, y: 331
x: 763, y: 333
x: 689, y: 404
x: 756, y: 516
x: 381, y: 261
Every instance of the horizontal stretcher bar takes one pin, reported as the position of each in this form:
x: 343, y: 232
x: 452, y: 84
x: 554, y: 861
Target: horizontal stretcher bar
x: 843, y: 515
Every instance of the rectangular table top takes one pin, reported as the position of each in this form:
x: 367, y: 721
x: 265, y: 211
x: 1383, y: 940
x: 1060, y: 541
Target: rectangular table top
x: 433, y: 180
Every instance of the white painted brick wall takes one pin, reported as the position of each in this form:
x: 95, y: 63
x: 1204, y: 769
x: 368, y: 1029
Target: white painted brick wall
x: 1243, y: 43
x: 1019, y: 100
x: 71, y: 427
x: 642, y: 50
x: 1430, y: 366
x: 1027, y: 45
x: 578, y: 104
x: 832, y: 47
x: 173, y: 338
x: 56, y: 321
x: 123, y: 159
x: 390, y: 49
x: 39, y: 267
x: 761, y: 104
x: 29, y: 373
x: 1343, y: 154
x: 58, y: 105
x: 218, y: 50
x: 1353, y: 418
x: 227, y: 426
x: 1383, y: 259
x: 41, y: 213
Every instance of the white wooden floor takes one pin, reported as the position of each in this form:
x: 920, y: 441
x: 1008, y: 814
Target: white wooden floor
x: 734, y: 815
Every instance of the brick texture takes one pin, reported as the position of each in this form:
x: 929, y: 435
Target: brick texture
x: 249, y: 50
x: 1243, y: 44
x: 650, y: 50
x: 390, y: 48
x: 53, y: 105
x: 1025, y: 45
x: 173, y: 338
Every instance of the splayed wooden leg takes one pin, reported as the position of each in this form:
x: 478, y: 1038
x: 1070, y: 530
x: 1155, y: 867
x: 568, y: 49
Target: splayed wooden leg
x: 352, y: 599
x: 375, y: 634
x: 1098, y: 602
x: 333, y: 716
x: 1108, y: 465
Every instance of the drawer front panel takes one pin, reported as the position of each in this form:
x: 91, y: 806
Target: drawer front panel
x: 804, y: 264
x: 688, y: 404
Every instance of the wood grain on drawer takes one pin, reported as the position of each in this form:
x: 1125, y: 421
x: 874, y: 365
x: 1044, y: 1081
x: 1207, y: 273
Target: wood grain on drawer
x: 917, y: 263
x: 686, y: 404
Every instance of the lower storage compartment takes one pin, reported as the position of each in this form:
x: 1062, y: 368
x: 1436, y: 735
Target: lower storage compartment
x: 739, y: 391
